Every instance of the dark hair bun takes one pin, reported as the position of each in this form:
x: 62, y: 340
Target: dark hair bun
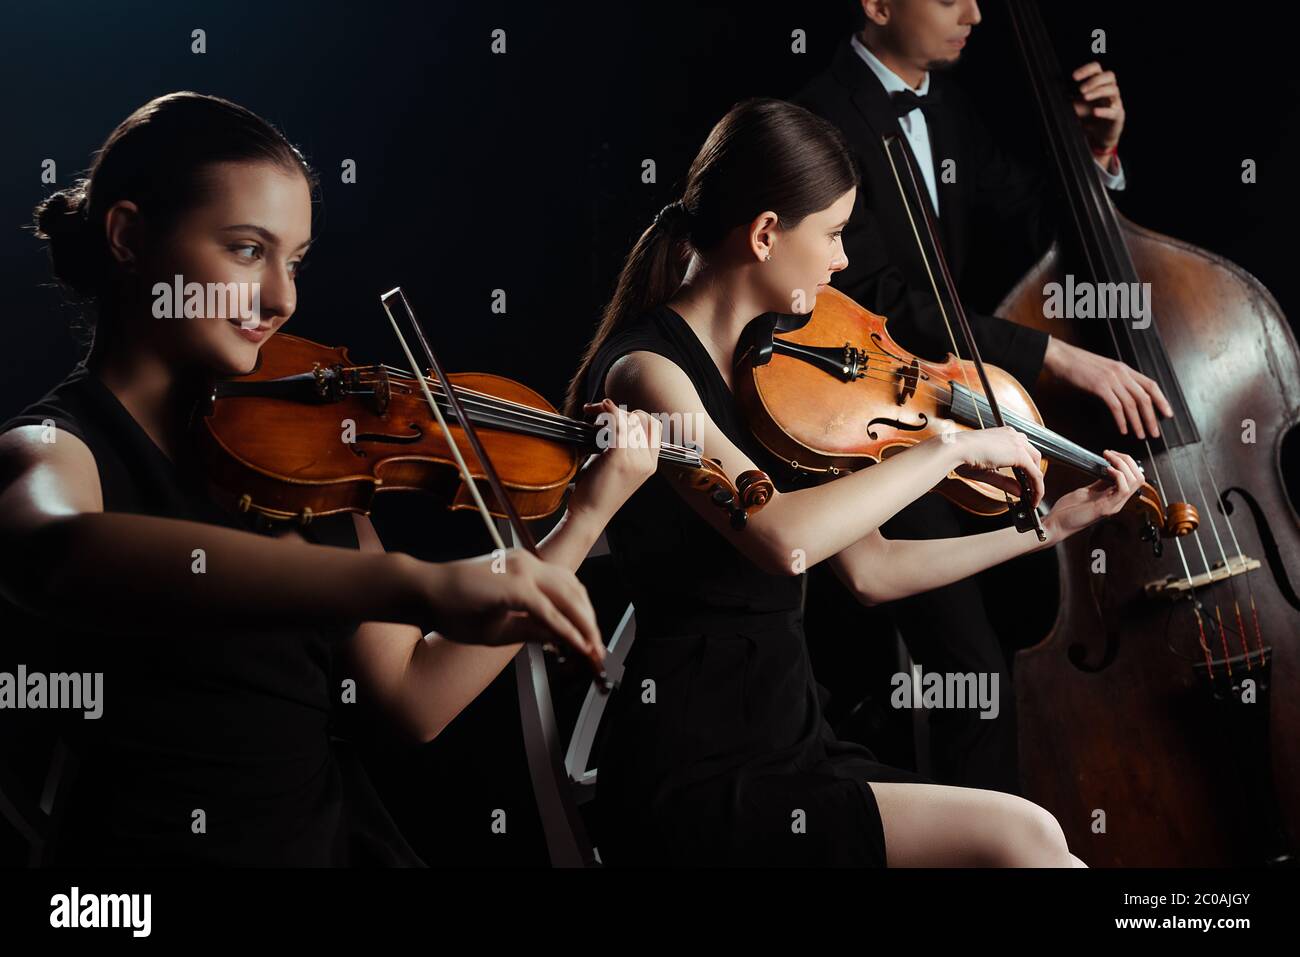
x: 61, y: 220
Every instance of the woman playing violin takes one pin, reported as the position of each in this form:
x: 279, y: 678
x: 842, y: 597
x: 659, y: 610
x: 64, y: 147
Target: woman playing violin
x: 223, y: 649
x: 718, y: 752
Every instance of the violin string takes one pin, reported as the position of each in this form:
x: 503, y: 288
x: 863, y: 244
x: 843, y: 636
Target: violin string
x: 582, y: 430
x: 1057, y: 445
x: 523, y: 409
x: 935, y: 369
x: 522, y: 418
x: 1062, y: 449
x: 466, y: 476
x: 505, y: 416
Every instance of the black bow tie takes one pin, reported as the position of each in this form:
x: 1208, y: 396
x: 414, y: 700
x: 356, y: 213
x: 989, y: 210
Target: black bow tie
x: 905, y: 101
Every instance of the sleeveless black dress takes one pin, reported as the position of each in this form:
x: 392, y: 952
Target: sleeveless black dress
x: 716, y: 750
x: 238, y: 724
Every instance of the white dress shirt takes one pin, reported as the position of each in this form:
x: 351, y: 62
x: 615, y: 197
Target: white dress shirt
x: 918, y: 132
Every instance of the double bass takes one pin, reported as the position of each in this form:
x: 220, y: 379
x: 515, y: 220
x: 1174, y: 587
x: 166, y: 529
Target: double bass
x: 1159, y: 720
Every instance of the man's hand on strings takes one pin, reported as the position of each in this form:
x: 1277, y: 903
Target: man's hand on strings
x: 1133, y: 398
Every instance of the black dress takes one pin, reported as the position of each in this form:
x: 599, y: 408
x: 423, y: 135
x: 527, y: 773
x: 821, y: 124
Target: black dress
x: 236, y: 723
x: 716, y: 750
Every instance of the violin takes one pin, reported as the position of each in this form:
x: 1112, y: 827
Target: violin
x: 837, y: 393
x: 309, y: 432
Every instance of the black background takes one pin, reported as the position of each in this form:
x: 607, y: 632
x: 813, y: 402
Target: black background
x: 523, y: 172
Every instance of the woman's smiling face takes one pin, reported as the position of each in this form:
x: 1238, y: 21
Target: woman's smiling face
x: 243, y: 244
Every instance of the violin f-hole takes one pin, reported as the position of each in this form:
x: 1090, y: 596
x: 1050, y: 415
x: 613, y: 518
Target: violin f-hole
x: 414, y: 436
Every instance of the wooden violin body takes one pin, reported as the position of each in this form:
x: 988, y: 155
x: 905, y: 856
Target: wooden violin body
x: 834, y: 393
x: 864, y: 401
x: 307, y: 453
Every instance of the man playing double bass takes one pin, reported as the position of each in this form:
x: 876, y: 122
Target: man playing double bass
x: 890, y: 77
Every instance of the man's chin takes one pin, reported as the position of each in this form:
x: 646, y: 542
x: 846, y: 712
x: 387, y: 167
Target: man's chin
x: 940, y: 65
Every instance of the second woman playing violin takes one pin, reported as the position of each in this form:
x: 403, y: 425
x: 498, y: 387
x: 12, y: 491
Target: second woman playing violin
x: 719, y: 753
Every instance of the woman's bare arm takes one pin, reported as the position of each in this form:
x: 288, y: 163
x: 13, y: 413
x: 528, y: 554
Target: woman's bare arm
x: 878, y: 569
x: 798, y: 529
x: 66, y: 559
x: 422, y: 682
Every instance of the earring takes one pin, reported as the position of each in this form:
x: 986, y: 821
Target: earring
x: 768, y: 257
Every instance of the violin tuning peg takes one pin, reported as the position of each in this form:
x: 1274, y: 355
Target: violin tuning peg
x: 1149, y: 533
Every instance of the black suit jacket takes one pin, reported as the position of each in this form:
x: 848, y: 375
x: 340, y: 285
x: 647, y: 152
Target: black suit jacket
x: 885, y: 271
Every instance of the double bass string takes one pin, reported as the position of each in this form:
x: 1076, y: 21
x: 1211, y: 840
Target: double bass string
x: 1108, y: 241
x: 1250, y: 591
x: 1087, y: 222
x: 1035, y: 49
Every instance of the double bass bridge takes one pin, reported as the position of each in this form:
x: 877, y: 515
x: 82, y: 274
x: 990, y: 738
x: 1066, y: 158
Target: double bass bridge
x: 1175, y: 588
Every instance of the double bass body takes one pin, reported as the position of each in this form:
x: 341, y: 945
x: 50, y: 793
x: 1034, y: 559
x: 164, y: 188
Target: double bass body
x: 1149, y: 748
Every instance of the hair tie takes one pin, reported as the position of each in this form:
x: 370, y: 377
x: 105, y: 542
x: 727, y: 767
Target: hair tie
x: 673, y: 215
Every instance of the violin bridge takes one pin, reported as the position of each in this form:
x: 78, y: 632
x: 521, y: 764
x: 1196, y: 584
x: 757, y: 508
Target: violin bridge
x: 907, y: 379
x: 1175, y: 588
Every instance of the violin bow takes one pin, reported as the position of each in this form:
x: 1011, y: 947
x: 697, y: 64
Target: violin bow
x: 521, y: 531
x: 1023, y: 514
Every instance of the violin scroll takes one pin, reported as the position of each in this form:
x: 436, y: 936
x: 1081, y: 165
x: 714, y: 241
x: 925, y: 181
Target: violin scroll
x: 750, y: 492
x: 1160, y: 521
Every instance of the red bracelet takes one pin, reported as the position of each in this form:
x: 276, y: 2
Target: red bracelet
x: 1108, y: 151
